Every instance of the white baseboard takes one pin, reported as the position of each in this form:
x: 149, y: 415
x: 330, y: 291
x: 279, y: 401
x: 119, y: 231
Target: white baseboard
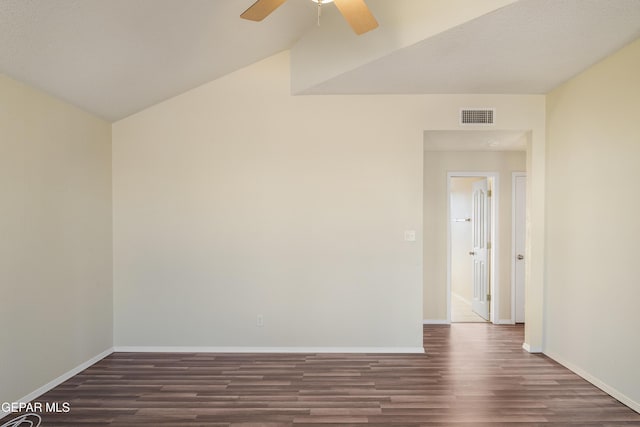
x: 436, y: 322
x: 178, y: 349
x: 62, y: 378
x: 505, y: 322
x: 530, y: 349
x: 612, y: 391
x: 137, y: 349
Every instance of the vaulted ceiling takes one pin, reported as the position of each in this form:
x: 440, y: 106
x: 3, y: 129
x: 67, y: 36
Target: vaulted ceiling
x: 116, y: 57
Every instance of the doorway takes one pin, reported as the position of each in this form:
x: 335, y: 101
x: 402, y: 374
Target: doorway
x: 472, y: 260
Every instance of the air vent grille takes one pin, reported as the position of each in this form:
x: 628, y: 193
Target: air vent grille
x: 477, y: 116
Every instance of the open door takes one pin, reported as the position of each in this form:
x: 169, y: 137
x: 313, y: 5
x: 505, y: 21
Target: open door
x: 480, y: 225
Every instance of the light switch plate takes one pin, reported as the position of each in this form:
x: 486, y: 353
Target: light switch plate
x: 410, y: 235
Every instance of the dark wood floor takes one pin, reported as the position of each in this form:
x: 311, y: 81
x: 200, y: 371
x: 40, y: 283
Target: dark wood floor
x: 473, y: 375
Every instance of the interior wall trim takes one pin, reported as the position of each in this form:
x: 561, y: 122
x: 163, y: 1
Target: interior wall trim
x: 436, y: 322
x: 531, y: 349
x: 241, y: 349
x: 59, y: 380
x: 612, y: 391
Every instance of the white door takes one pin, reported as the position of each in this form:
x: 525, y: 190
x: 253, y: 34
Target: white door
x: 519, y: 217
x: 480, y: 225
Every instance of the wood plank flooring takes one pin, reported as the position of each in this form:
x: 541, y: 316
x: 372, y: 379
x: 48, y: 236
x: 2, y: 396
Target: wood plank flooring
x: 472, y: 374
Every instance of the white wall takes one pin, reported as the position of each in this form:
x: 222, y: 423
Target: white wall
x: 592, y: 289
x: 237, y: 199
x: 55, y: 250
x: 436, y: 166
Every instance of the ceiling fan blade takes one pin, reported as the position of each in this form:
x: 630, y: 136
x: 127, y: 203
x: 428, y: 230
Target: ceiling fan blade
x: 261, y: 9
x: 357, y: 15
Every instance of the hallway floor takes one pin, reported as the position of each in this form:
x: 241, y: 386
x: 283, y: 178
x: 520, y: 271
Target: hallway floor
x: 461, y: 311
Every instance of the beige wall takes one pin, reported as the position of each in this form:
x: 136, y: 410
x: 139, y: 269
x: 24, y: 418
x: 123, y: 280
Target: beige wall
x: 236, y: 199
x: 436, y: 166
x: 55, y: 250
x: 592, y: 289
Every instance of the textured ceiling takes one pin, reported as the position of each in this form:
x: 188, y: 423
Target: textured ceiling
x: 116, y: 57
x: 531, y: 47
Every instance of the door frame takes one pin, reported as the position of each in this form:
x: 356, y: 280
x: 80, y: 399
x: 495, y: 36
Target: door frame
x: 514, y: 176
x: 494, y: 264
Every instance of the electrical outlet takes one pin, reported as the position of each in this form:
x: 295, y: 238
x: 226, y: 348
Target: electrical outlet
x: 259, y: 320
x: 410, y: 235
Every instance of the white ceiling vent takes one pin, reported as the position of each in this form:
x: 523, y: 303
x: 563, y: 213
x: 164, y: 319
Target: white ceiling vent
x: 477, y: 116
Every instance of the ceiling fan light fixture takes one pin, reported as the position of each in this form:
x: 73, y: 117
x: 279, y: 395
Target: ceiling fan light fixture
x: 320, y: 3
x: 355, y: 12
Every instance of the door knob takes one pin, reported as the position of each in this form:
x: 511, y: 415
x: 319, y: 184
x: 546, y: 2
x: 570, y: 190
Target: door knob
x: 472, y: 253
x: 520, y: 257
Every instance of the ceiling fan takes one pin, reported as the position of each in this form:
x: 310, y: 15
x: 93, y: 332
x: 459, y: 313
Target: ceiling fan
x: 355, y: 12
